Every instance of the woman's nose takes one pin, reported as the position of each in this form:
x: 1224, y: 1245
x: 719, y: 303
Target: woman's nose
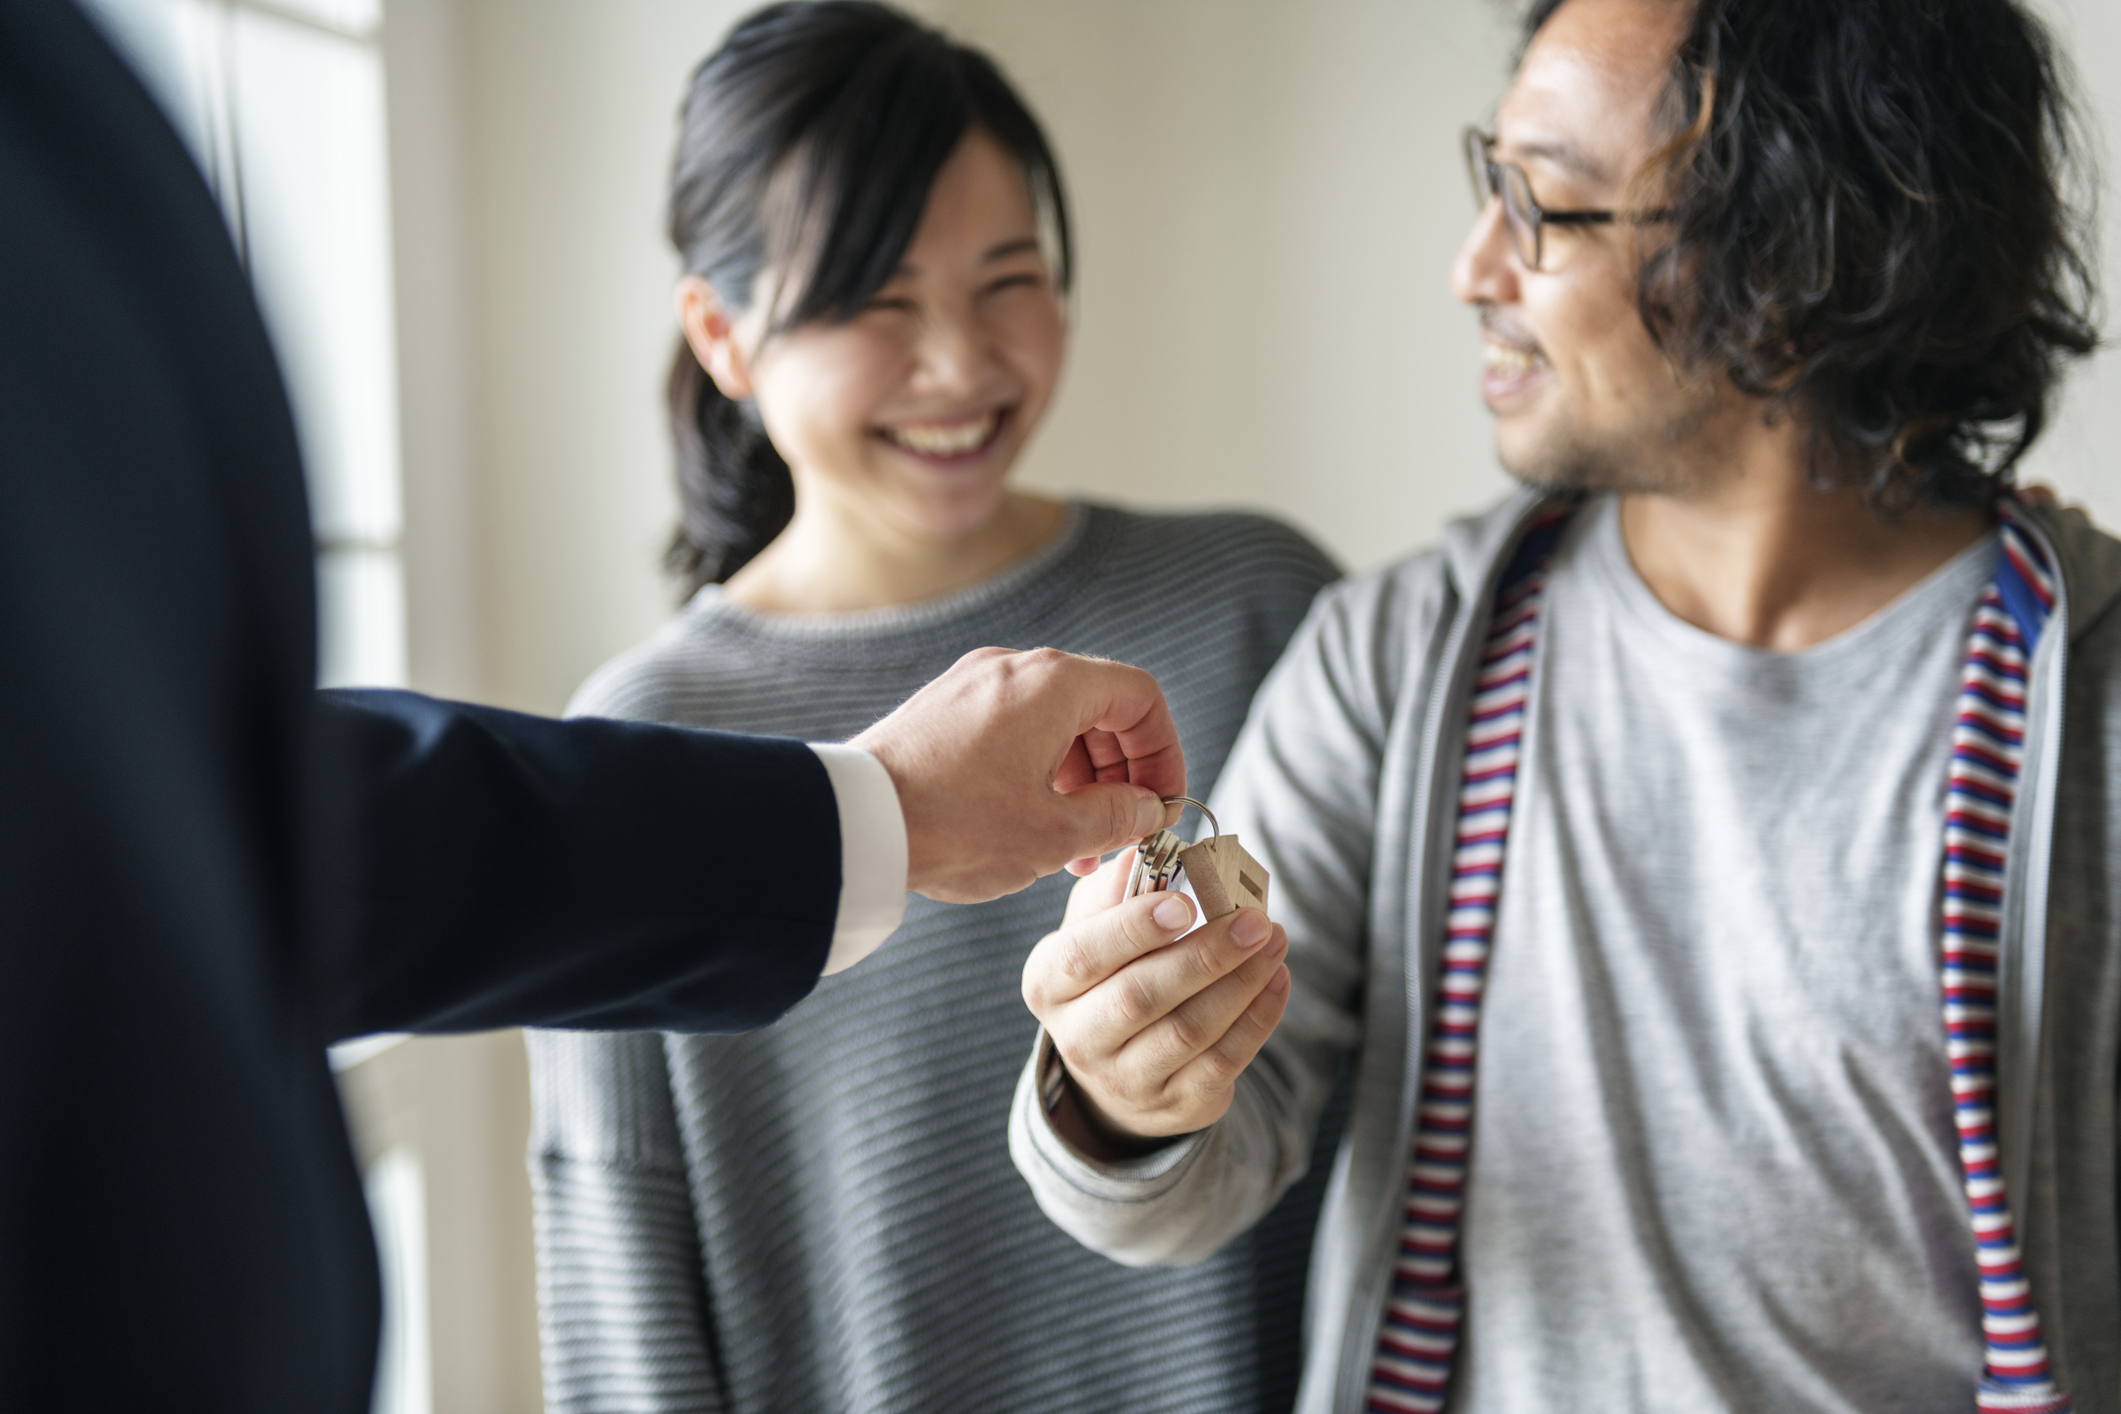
x: 955, y: 350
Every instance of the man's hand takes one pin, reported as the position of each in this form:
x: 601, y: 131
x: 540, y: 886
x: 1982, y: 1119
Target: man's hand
x: 1154, y: 1028
x: 1013, y: 765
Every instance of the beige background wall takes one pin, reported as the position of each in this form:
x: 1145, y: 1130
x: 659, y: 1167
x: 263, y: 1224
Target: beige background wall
x: 1268, y: 196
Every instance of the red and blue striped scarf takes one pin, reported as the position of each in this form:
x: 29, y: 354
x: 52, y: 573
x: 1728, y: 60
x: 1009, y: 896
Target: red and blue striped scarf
x: 1418, y: 1337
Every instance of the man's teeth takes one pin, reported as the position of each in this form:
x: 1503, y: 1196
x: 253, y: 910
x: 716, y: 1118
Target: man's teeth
x: 944, y: 439
x: 1509, y: 362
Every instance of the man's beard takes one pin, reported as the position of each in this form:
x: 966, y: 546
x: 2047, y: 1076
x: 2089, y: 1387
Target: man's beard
x: 1662, y: 455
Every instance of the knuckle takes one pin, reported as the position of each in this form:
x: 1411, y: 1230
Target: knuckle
x: 1202, y: 965
x: 1219, y: 1069
x: 1185, y: 1035
x: 1119, y: 817
x: 1210, y: 1094
x: 1141, y: 930
x: 1163, y: 1056
x: 1132, y: 998
x: 1072, y: 960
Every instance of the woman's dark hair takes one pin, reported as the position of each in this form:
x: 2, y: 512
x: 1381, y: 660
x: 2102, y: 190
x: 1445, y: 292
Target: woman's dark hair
x: 1873, y: 224
x: 806, y: 147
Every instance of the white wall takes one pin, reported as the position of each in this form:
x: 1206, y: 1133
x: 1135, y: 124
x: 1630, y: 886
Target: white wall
x: 1269, y: 198
x: 2081, y: 455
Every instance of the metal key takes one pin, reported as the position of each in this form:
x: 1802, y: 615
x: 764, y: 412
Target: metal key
x: 1224, y: 876
x: 1156, y: 857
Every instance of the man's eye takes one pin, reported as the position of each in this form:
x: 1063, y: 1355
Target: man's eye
x: 1026, y: 281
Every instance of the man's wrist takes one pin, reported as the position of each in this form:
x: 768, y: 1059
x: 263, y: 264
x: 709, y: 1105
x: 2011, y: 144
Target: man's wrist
x: 1075, y: 1119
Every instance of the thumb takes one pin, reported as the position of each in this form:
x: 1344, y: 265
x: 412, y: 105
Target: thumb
x: 1097, y: 818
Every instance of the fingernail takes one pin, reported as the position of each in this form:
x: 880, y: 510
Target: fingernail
x: 1173, y: 913
x: 1251, y: 928
x: 1279, y: 982
x: 1148, y: 814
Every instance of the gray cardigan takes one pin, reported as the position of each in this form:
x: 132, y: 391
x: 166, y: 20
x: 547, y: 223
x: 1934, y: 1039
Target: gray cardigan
x: 1342, y: 785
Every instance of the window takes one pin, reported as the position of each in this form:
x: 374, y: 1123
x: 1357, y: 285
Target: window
x: 282, y: 106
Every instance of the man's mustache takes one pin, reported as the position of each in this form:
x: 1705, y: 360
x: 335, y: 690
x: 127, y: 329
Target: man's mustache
x: 1504, y: 330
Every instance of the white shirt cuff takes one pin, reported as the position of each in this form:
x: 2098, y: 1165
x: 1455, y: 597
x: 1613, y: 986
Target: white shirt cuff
x: 872, y: 853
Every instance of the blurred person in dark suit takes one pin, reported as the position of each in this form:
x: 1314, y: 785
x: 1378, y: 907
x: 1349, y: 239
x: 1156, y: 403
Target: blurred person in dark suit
x: 209, y: 871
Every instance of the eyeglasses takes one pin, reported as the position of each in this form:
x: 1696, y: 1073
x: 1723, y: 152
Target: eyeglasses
x: 1528, y: 220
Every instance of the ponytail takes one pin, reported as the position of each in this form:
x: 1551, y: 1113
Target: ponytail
x: 734, y: 491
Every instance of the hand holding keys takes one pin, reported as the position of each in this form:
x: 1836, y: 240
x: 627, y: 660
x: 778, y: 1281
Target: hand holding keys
x: 1011, y: 766
x: 1155, y: 1028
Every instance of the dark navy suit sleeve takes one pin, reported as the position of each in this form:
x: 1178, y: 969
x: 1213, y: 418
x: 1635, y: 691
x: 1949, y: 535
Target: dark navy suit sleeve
x: 208, y: 869
x: 514, y: 870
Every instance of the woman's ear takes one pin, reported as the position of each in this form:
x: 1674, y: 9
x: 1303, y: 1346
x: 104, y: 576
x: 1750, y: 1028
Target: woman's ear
x: 711, y: 329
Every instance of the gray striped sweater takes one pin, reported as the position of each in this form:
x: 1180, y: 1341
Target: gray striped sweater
x: 823, y: 1215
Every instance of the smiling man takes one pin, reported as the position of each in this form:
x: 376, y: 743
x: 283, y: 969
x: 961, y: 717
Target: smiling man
x: 1709, y: 854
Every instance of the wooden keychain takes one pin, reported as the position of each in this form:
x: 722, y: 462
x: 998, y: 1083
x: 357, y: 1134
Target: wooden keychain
x: 1224, y: 877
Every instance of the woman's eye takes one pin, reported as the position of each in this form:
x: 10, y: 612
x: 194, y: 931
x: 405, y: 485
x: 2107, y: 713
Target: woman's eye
x: 1026, y: 281
x: 890, y: 304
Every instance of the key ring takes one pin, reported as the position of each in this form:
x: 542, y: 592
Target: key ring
x: 1213, y: 828
x: 1156, y: 861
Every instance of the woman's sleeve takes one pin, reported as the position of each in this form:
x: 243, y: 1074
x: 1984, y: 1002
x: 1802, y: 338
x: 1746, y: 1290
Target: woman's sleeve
x: 1300, y: 790
x: 622, y: 1297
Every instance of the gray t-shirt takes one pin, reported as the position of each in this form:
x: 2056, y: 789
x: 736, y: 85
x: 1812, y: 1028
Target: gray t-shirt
x: 1713, y: 1163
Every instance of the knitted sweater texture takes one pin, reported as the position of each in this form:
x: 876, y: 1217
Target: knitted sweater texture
x: 823, y: 1215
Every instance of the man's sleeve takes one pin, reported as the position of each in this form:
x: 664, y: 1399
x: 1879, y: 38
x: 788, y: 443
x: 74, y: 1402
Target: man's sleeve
x: 507, y: 870
x: 872, y: 854
x: 1301, y: 791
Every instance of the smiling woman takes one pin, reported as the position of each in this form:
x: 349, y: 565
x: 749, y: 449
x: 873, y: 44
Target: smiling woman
x: 824, y: 1215
x: 899, y: 422
x: 810, y: 162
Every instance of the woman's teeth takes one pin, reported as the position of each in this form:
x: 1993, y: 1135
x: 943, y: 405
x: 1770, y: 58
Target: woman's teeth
x: 1510, y: 362
x: 944, y: 439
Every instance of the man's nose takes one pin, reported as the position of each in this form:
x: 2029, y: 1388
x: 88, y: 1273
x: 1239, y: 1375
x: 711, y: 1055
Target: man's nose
x: 1485, y: 271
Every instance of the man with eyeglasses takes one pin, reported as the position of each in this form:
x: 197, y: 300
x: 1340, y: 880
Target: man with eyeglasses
x: 1709, y: 857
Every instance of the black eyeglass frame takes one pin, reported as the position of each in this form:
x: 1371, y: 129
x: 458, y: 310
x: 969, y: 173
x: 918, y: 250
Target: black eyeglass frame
x: 1526, y: 218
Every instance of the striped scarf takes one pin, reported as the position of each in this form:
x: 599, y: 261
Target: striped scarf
x: 1418, y: 1336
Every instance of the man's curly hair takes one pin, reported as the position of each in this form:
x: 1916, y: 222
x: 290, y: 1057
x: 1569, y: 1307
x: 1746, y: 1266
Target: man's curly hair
x: 1873, y: 225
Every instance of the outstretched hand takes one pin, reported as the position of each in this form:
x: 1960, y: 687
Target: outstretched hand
x: 1013, y: 765
x: 1154, y: 1023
